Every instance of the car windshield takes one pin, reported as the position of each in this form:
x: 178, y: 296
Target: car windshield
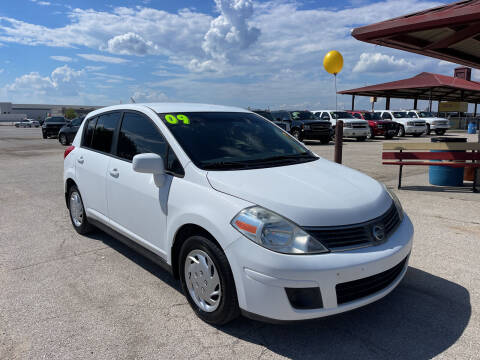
x: 372, y: 116
x: 425, y: 114
x: 265, y: 114
x: 302, y: 115
x: 55, y: 119
x: 400, y: 114
x: 234, y: 140
x: 341, y: 115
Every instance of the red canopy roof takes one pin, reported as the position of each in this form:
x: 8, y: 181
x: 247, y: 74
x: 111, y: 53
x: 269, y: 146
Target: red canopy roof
x: 449, y: 32
x: 424, y: 86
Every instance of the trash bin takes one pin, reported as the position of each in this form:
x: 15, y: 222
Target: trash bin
x: 446, y: 175
x: 472, y: 127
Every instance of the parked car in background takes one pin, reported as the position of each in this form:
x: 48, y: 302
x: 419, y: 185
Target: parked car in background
x: 303, y: 125
x: 352, y: 127
x: 435, y: 123
x: 68, y: 131
x: 52, y: 126
x: 377, y: 126
x: 249, y: 220
x: 265, y: 113
x: 27, y: 123
x: 406, y: 124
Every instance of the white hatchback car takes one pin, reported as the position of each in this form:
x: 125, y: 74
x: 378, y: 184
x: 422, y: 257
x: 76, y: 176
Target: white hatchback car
x: 243, y: 214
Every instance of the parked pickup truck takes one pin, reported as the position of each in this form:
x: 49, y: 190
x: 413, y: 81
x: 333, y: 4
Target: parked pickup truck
x: 377, y: 126
x: 52, y: 125
x: 437, y: 124
x: 352, y: 127
x: 303, y: 125
x: 406, y: 124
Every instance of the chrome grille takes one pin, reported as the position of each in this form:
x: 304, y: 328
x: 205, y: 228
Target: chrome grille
x: 359, y: 125
x: 341, y: 238
x: 320, y: 126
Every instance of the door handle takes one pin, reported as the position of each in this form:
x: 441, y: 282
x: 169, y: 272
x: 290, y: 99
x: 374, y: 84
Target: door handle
x: 80, y: 160
x: 114, y: 173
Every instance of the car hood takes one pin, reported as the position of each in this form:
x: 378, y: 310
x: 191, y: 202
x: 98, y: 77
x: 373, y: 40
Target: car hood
x: 316, y: 193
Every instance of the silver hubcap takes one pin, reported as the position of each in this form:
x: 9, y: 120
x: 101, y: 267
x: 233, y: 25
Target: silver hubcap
x: 202, y: 280
x: 76, y: 208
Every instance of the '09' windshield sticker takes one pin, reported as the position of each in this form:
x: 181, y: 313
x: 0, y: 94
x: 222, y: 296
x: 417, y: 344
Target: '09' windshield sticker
x: 174, y: 119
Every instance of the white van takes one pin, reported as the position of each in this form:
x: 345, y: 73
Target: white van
x: 437, y: 124
x: 407, y: 124
x: 249, y: 219
x: 352, y: 127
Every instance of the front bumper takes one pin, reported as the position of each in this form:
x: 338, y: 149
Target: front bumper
x: 355, y: 132
x: 316, y: 134
x: 415, y: 129
x: 439, y: 127
x: 261, y: 275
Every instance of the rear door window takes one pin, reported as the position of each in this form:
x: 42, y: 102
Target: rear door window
x: 89, y: 128
x: 104, y: 131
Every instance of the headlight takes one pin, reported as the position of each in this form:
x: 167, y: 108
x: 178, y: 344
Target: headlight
x: 410, y: 123
x: 275, y: 232
x: 396, y: 201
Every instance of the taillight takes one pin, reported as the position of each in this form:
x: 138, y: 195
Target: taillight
x: 68, y: 150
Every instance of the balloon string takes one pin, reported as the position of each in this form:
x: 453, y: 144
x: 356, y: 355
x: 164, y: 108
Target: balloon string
x: 335, y: 77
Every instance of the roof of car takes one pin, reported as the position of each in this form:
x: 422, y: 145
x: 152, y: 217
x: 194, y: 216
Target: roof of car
x: 172, y: 107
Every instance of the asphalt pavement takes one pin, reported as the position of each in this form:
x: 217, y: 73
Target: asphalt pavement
x: 67, y: 296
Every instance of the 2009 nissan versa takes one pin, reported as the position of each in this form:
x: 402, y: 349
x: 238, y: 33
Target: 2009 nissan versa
x: 243, y: 214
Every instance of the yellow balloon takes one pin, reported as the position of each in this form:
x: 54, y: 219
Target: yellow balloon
x: 333, y: 62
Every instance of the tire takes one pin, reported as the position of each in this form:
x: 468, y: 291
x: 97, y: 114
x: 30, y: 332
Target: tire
x: 325, y: 140
x: 401, y: 131
x: 63, y: 139
x: 371, y: 134
x: 84, y: 226
x: 361, y: 138
x: 227, y: 308
x: 44, y: 135
x: 440, y: 132
x: 428, y: 129
x: 297, y: 134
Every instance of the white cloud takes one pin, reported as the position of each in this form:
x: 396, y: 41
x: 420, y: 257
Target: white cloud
x: 103, y: 58
x: 62, y: 58
x: 43, y: 3
x: 380, y: 63
x: 149, y: 95
x: 1, y: 71
x: 130, y: 44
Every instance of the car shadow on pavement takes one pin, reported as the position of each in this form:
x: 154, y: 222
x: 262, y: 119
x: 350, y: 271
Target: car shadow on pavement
x: 465, y: 189
x: 423, y: 317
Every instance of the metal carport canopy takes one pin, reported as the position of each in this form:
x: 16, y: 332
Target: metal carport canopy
x: 449, y: 32
x: 424, y: 86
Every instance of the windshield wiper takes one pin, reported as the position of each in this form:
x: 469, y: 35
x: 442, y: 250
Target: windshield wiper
x: 226, y: 165
x: 304, y: 155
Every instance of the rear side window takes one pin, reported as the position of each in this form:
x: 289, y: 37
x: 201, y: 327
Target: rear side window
x: 104, y: 131
x: 357, y: 115
x: 139, y: 135
x: 89, y: 128
x: 386, y: 115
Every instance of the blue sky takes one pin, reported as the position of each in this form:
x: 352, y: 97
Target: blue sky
x: 236, y: 52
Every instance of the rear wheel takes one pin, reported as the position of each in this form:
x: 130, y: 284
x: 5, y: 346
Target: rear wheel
x: 361, y: 138
x: 77, y: 211
x: 207, y: 281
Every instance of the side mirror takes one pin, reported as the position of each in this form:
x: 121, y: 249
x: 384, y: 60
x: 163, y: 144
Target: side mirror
x: 150, y: 163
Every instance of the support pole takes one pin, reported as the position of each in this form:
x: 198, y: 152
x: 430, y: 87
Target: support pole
x: 338, y: 141
x: 387, y: 104
x: 475, y: 110
x: 430, y: 101
x: 415, y: 101
x: 353, y: 102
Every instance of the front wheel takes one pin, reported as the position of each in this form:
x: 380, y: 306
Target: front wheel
x: 371, y: 134
x: 428, y: 129
x: 325, y: 140
x: 440, y: 132
x: 297, y: 134
x: 207, y: 281
x: 63, y: 139
x: 44, y: 135
x: 417, y: 134
x: 361, y: 138
x: 401, y: 131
